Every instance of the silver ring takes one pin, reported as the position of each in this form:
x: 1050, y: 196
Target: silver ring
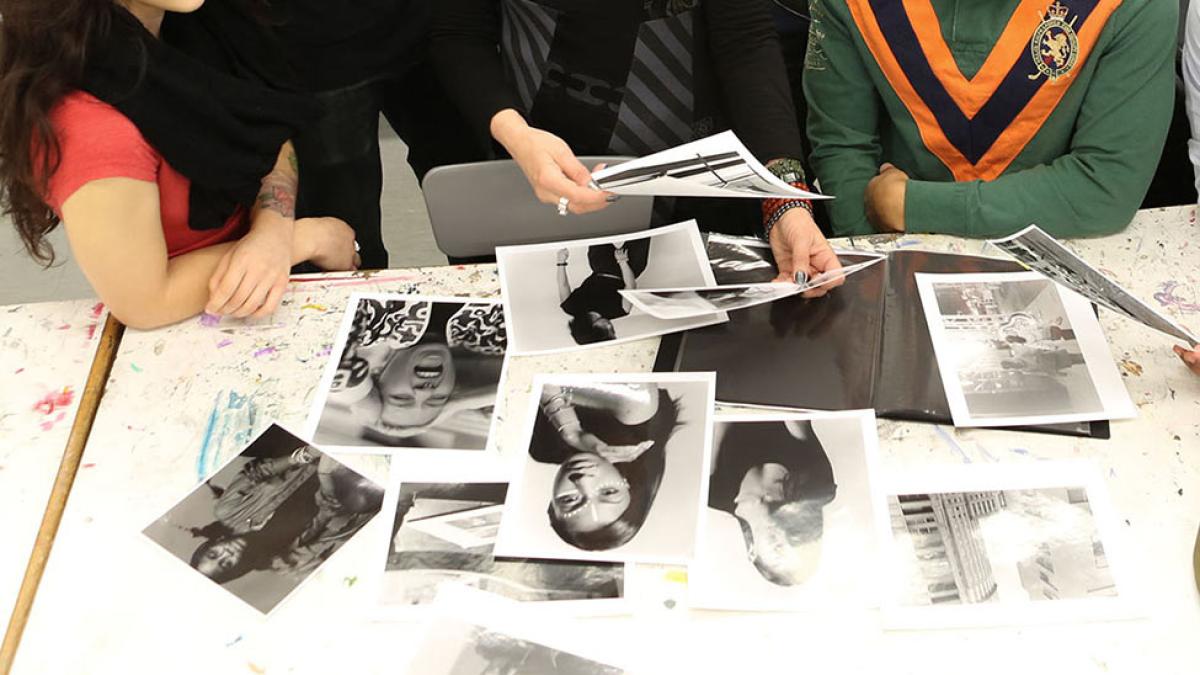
x: 563, y: 203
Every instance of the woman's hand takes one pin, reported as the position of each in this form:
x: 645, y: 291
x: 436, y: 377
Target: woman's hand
x: 1190, y: 358
x: 327, y: 243
x: 585, y: 441
x: 562, y: 256
x: 252, y: 275
x: 548, y: 163
x: 799, y: 246
x: 621, y: 253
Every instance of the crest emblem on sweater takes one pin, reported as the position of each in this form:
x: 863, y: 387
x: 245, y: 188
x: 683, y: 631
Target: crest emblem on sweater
x: 1055, y: 46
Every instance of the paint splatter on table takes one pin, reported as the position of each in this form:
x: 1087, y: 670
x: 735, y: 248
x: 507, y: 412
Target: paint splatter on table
x: 212, y: 386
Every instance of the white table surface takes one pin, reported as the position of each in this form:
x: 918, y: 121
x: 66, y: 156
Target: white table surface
x: 185, y: 398
x: 46, y: 350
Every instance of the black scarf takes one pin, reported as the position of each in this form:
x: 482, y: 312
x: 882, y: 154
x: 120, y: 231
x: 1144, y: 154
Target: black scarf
x: 213, y: 96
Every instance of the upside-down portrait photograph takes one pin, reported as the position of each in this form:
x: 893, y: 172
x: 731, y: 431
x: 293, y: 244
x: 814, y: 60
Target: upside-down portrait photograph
x: 445, y: 533
x: 1016, y: 348
x: 614, y: 468
x: 262, y: 524
x: 457, y: 647
x: 567, y: 295
x: 412, y: 372
x: 789, y: 524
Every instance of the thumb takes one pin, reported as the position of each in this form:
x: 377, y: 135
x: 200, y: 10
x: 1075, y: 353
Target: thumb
x: 573, y: 168
x: 886, y: 166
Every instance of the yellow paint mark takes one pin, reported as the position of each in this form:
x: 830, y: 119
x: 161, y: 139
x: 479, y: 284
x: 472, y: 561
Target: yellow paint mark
x: 677, y: 576
x: 1131, y: 367
x: 255, y: 668
x: 319, y: 308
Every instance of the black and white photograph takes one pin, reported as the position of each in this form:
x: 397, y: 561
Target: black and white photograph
x: 737, y: 261
x: 682, y: 303
x: 1024, y: 541
x: 412, y: 372
x: 615, y: 469
x: 444, y: 533
x: 457, y: 647
x: 717, y: 166
x: 567, y: 295
x: 1040, y: 252
x: 1017, y: 349
x: 266, y: 521
x: 790, y: 518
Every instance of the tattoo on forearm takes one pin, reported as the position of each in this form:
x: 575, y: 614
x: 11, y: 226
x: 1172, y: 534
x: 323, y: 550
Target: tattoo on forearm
x: 278, y: 194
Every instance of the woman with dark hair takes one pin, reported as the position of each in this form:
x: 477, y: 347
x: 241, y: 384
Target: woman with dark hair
x: 597, y: 301
x: 157, y: 132
x: 775, y: 478
x: 547, y: 80
x: 286, y: 514
x: 418, y: 373
x: 609, y: 441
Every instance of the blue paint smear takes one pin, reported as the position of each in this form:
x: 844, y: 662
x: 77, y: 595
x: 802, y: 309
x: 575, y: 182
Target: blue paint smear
x: 1020, y: 451
x: 206, y: 444
x: 953, y: 444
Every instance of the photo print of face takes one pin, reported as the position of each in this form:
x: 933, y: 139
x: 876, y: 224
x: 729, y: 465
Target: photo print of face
x: 614, y: 469
x: 262, y: 524
x: 610, y: 447
x: 776, y: 479
x: 415, y: 372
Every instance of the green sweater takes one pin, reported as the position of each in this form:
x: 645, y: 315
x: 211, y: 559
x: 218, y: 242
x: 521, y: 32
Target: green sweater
x: 1084, y: 173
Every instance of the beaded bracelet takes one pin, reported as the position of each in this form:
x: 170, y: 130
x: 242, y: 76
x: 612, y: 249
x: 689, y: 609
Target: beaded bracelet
x: 774, y: 209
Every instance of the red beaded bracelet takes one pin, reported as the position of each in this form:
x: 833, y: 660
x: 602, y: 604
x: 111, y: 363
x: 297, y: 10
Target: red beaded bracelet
x: 773, y: 209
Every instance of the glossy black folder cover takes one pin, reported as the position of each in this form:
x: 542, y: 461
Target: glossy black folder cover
x: 866, y: 345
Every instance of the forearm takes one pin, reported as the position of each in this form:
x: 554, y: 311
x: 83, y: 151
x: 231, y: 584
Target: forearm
x: 749, y: 65
x: 464, y: 48
x: 564, y: 282
x: 844, y: 113
x: 275, y: 206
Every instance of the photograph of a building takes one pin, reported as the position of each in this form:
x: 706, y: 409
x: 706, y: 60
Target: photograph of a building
x: 1007, y: 546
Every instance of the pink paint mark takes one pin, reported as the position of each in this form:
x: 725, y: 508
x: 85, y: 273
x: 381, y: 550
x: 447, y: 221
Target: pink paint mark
x: 49, y: 424
x: 89, y: 465
x: 55, y: 400
x: 224, y: 343
x: 97, y: 309
x: 20, y: 370
x: 65, y: 326
x: 209, y: 320
x: 325, y: 351
x: 1167, y: 298
x: 91, y: 331
x: 265, y: 351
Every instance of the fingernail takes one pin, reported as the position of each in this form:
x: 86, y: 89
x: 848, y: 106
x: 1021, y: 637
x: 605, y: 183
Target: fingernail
x: 612, y: 198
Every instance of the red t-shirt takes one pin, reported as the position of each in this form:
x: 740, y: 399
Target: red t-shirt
x: 97, y: 141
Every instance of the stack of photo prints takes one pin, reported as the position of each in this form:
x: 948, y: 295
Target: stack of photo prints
x: 779, y: 510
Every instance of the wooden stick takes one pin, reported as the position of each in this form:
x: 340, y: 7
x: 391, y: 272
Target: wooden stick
x: 106, y: 354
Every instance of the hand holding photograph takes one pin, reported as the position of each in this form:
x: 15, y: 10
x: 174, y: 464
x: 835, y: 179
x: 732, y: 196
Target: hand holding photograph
x: 412, y: 372
x: 615, y: 469
x: 567, y: 295
x: 444, y: 533
x: 1042, y: 253
x: 717, y: 166
x: 788, y: 525
x: 1017, y: 349
x: 684, y: 303
x: 1001, y: 544
x: 264, y: 523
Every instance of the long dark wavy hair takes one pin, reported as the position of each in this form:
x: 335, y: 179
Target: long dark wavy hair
x: 44, y: 50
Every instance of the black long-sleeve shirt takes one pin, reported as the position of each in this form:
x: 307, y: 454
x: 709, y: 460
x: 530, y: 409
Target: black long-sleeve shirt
x: 620, y: 76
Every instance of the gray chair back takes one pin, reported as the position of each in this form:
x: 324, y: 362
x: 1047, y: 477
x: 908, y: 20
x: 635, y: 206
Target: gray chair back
x: 476, y: 207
